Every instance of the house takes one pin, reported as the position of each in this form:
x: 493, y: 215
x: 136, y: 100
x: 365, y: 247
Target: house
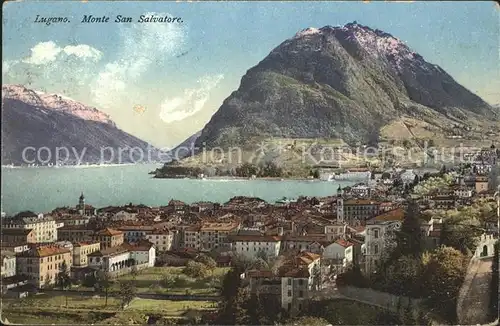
x: 299, y: 277
x: 360, y: 209
x: 75, y: 233
x: 134, y: 233
x: 72, y: 219
x: 8, y: 263
x: 162, y: 239
x: 81, y: 250
x: 125, y: 215
x: 250, y: 245
x: 334, y: 231
x: 481, y: 184
x: 44, y: 227
x: 378, y: 234
x: 108, y: 237
x: 121, y: 259
x: 192, y: 236
x: 19, y: 235
x: 214, y: 235
x: 113, y: 260
x: 41, y: 264
x: 339, y: 253
x: 177, y: 206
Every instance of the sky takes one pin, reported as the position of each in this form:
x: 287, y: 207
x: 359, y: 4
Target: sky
x: 180, y: 73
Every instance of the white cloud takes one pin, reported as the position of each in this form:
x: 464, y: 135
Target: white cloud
x: 47, y: 52
x: 143, y: 46
x: 43, y: 53
x: 83, y: 51
x: 192, y: 101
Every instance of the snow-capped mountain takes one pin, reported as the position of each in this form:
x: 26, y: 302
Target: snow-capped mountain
x: 54, y: 102
x: 35, y: 120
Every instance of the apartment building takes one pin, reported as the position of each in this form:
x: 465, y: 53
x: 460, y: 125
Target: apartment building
x: 75, y: 233
x: 81, y: 250
x: 298, y: 279
x: 41, y: 264
x: 214, y: 235
x: 192, y: 236
x: 108, y: 237
x: 20, y: 235
x: 250, y: 245
x: 162, y: 239
x: 44, y: 227
x: 378, y: 233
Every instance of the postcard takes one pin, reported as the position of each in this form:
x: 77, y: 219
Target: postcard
x: 250, y: 163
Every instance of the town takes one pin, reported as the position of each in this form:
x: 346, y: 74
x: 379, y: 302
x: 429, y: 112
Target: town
x: 406, y: 248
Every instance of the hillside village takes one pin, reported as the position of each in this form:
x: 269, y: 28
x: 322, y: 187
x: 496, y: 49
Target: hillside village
x: 292, y: 251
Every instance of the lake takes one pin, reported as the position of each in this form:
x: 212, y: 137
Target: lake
x: 44, y: 188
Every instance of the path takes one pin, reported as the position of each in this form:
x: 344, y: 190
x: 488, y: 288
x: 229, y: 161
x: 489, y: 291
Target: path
x: 157, y: 296
x: 474, y: 300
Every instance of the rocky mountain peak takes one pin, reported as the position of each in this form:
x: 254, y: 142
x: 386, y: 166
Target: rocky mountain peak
x: 55, y: 102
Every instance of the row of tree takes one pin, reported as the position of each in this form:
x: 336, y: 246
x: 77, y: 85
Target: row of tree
x: 267, y: 169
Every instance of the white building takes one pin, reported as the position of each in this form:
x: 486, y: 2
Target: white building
x: 334, y: 231
x: 8, y: 264
x: 116, y: 259
x: 297, y: 280
x: 379, y: 233
x: 45, y: 227
x: 250, y: 245
x: 124, y: 215
x: 340, y: 253
x: 162, y: 239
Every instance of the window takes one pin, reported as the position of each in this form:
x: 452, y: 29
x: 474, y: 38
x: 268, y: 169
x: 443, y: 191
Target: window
x: 301, y: 294
x: 289, y: 281
x: 289, y: 306
x: 301, y: 282
x: 289, y: 293
x: 375, y: 249
x: 376, y: 233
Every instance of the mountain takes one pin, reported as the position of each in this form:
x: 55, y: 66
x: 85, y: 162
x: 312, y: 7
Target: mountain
x: 186, y: 147
x: 348, y: 83
x: 35, y: 119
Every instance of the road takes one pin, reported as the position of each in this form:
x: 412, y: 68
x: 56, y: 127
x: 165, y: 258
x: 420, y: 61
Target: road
x: 475, y: 305
x: 157, y: 296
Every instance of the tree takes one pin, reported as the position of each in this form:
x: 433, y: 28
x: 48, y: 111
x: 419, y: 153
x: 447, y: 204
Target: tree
x: 167, y: 282
x: 460, y: 232
x: 126, y: 292
x: 442, y: 278
x: 63, y: 279
x: 195, y: 269
x: 409, y: 238
x: 316, y: 174
x: 103, y: 284
x: 47, y: 284
x: 209, y: 262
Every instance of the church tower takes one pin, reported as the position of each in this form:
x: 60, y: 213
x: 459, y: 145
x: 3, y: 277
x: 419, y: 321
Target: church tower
x: 81, y: 204
x: 340, y: 205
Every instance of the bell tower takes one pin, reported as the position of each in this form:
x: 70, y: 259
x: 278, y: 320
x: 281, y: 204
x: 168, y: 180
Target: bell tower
x: 81, y: 204
x: 340, y: 205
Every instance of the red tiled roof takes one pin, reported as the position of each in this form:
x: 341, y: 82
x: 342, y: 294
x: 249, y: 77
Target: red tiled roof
x: 109, y: 232
x: 344, y: 243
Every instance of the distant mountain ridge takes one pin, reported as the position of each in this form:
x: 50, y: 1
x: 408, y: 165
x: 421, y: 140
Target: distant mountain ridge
x: 35, y: 120
x: 343, y: 82
x: 54, y: 102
